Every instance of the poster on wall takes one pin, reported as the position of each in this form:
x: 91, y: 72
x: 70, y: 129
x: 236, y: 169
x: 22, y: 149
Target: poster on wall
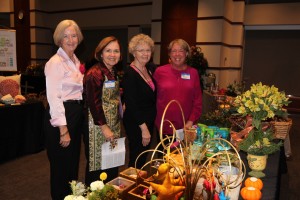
x: 8, y: 58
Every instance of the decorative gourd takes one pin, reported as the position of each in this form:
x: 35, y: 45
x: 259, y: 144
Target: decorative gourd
x: 250, y: 193
x: 254, y: 182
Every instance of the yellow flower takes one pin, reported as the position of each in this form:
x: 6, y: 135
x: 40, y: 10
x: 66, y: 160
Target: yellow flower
x: 266, y: 142
x: 261, y: 101
x: 103, y: 176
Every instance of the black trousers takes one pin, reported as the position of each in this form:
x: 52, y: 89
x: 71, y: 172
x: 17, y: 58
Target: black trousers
x: 136, y: 147
x: 64, y: 162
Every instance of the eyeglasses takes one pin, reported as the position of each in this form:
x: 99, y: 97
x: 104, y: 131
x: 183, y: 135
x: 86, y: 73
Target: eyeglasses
x: 143, y: 51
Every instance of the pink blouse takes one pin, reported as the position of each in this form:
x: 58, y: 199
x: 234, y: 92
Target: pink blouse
x: 64, y: 82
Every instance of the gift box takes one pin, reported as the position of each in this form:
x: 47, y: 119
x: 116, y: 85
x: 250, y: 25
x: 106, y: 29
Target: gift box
x: 133, y: 174
x: 137, y: 193
x: 123, y: 185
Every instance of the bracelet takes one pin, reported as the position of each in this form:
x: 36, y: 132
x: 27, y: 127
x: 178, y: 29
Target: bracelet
x: 64, y: 134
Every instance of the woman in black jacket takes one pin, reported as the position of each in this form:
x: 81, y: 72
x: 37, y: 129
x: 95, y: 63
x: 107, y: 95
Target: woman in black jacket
x: 140, y: 99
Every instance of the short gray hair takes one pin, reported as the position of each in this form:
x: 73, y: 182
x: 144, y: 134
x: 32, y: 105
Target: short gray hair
x: 61, y: 27
x: 138, y: 40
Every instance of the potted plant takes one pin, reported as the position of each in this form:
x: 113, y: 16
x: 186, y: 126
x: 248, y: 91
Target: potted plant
x: 199, y: 62
x: 259, y: 104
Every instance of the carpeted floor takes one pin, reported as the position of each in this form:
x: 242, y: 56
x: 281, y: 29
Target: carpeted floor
x: 27, y: 178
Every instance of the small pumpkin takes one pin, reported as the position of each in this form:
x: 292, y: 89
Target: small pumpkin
x: 250, y: 193
x: 254, y: 182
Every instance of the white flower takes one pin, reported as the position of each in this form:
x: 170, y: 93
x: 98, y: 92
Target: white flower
x: 79, y: 198
x: 97, y: 185
x: 74, y: 197
x: 69, y: 197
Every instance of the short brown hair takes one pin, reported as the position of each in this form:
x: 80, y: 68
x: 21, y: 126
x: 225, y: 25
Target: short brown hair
x: 103, y: 43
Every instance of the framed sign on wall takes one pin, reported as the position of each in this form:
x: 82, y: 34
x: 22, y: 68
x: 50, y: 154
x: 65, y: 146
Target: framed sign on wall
x: 8, y: 58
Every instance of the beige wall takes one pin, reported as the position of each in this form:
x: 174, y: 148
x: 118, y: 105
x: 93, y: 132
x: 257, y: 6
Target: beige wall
x: 226, y: 37
x: 273, y: 14
x: 6, y: 5
x: 220, y: 36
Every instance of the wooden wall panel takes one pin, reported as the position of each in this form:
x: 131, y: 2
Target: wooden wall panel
x: 22, y: 27
x: 179, y: 20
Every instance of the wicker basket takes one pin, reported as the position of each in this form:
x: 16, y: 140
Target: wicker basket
x: 282, y: 128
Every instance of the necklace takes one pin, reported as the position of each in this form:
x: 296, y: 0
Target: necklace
x: 148, y: 81
x: 143, y: 75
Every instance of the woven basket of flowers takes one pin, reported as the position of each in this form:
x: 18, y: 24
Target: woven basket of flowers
x: 282, y: 128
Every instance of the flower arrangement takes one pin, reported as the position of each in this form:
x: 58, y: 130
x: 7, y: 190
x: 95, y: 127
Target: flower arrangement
x: 259, y: 104
x: 97, y: 190
x: 234, y: 89
x: 190, y: 171
x: 262, y: 102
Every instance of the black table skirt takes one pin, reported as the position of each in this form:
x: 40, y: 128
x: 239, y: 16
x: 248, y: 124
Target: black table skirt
x: 21, y: 130
x: 276, y: 165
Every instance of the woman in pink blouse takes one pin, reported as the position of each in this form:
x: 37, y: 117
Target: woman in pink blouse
x: 63, y: 121
x: 177, y: 81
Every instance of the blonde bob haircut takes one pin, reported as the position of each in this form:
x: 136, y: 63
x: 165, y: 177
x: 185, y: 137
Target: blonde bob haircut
x: 140, y: 39
x: 183, y: 44
x: 61, y: 27
x: 102, y: 44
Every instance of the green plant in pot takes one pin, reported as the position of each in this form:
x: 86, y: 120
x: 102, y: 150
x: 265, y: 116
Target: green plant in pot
x: 199, y: 62
x: 259, y: 104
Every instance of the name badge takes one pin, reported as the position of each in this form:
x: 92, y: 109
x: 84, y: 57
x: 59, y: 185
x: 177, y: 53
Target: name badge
x: 185, y: 76
x: 109, y: 84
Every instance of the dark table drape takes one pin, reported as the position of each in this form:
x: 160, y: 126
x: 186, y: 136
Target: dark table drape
x: 276, y: 165
x: 21, y: 130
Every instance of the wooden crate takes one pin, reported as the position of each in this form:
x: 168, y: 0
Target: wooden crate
x: 123, y: 185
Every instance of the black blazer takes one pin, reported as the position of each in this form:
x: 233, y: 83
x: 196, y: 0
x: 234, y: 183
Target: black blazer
x: 139, y: 98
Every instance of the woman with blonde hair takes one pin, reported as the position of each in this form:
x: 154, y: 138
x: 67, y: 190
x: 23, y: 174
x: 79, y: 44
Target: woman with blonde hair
x: 64, y: 116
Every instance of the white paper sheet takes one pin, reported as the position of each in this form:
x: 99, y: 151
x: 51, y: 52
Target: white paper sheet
x: 179, y: 134
x: 113, y: 157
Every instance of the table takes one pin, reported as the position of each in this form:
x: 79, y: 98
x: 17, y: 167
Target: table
x: 33, y: 83
x: 21, y: 130
x: 210, y: 101
x: 276, y: 165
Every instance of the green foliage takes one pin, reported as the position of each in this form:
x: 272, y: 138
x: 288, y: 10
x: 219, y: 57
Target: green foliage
x: 235, y: 89
x: 107, y: 193
x: 260, y: 142
x: 218, y: 118
x: 198, y: 61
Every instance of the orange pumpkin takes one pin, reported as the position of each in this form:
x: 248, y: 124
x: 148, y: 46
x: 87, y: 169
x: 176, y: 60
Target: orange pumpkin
x: 250, y: 193
x: 254, y: 182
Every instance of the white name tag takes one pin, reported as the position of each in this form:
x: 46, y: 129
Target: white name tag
x: 185, y: 76
x: 109, y: 84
